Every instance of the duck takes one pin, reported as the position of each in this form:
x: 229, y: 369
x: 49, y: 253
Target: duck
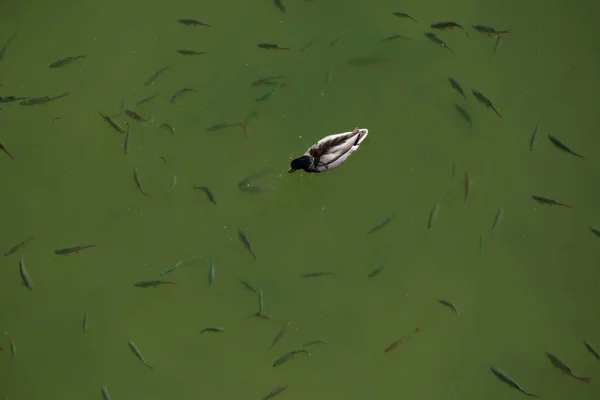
x: 329, y: 152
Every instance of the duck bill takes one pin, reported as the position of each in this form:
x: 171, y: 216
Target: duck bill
x: 291, y: 170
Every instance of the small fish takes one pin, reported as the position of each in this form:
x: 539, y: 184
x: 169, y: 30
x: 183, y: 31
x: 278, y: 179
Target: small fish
x: 222, y: 125
x: 497, y: 220
x: 247, y: 186
x: 308, y: 44
x: 402, y: 341
x: 155, y: 75
x: 261, y: 302
x: 127, y: 137
x: 25, y: 275
x: 447, y: 25
x: 456, y: 86
x: 16, y: 247
x: 271, y: 46
x: 191, y: 52
x: 169, y: 128
x: 270, y: 94
x: 75, y: 249
x: 377, y: 270
x: 32, y: 101
x: 266, y: 80
x: 595, y: 231
x: 449, y: 305
x: 533, y: 140
x: 192, y: 22
x: 208, y: 193
x: 589, y: 347
x: 510, y: 381
x: 147, y: 99
x: 481, y: 242
x: 315, y: 274
x: 138, y: 182
x: 5, y: 47
x: 467, y: 183
x: 112, y: 123
x: 155, y: 284
x: 244, y: 238
x: 395, y: 36
x: 180, y: 92
x: 485, y: 101
x: 105, y: 392
x: 279, y: 4
x: 558, y: 143
x: 314, y: 343
x: 496, y: 46
x: 337, y: 38
x: 212, y: 329
x: 6, y: 152
x: 211, y: 270
x: 561, y: 365
x: 544, y: 200
x: 65, y: 61
x: 171, y: 269
x: 173, y: 183
x: 85, y: 322
x: 139, y: 355
x: 247, y: 285
x: 434, y: 38
x: 403, y: 15
x: 13, y: 352
x: 275, y: 392
x: 381, y: 224
x: 281, y: 333
x: 136, y: 117
x: 250, y: 116
x: 289, y: 356
x: 489, y: 30
x: 435, y: 212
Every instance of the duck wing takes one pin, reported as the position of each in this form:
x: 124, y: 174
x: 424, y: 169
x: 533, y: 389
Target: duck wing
x: 331, y: 148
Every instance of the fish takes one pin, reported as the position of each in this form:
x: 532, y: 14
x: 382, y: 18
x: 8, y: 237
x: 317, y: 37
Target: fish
x: 244, y: 238
x: 275, y: 392
x: 112, y: 122
x: 551, y: 202
x: 266, y: 80
x: 222, y: 125
x: 456, y: 86
x: 127, y: 137
x: 449, y: 305
x: 314, y: 343
x: 211, y: 270
x: 281, y: 333
x: 404, y: 15
x: 208, y: 193
x: 173, y: 183
x: 402, y: 341
x: 246, y: 185
x: 279, y: 4
x: 147, y: 99
x: 308, y: 44
x: 377, y: 270
x: 381, y: 224
x: 250, y: 116
x: 315, y: 274
x: 467, y: 183
x: 191, y: 52
x: 589, y: 348
x: 270, y: 94
x: 496, y: 46
x: 247, y: 285
x: 13, y: 352
x: 135, y: 116
x: 533, y: 140
x: 271, y: 46
x: 180, y: 92
x: 74, y: 249
x: 155, y: 75
x: 595, y: 231
x: 489, y: 30
x: 289, y: 356
x: 337, y: 38
x: 395, y: 36
x: 481, y: 242
x: 558, y: 143
x: 16, y: 247
x: 261, y: 303
x: 435, y: 212
x: 138, y: 182
x: 32, y: 101
x: 447, y: 25
x: 497, y: 220
x: 105, y: 392
x: 171, y: 269
x: 155, y: 283
x: 139, y: 355
x: 561, y: 365
x: 6, y: 46
x: 193, y: 22
x: 510, y: 381
x: 464, y: 114
x: 85, y: 324
x: 168, y: 127
x: 25, y: 275
x: 212, y: 329
x: 65, y: 61
x: 485, y: 101
x: 434, y: 38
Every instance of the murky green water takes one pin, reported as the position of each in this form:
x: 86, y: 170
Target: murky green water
x: 533, y: 288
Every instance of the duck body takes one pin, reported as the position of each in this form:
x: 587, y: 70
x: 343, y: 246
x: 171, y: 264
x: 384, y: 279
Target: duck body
x: 329, y: 152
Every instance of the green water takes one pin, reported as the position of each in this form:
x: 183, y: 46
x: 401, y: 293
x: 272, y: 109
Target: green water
x: 533, y: 288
